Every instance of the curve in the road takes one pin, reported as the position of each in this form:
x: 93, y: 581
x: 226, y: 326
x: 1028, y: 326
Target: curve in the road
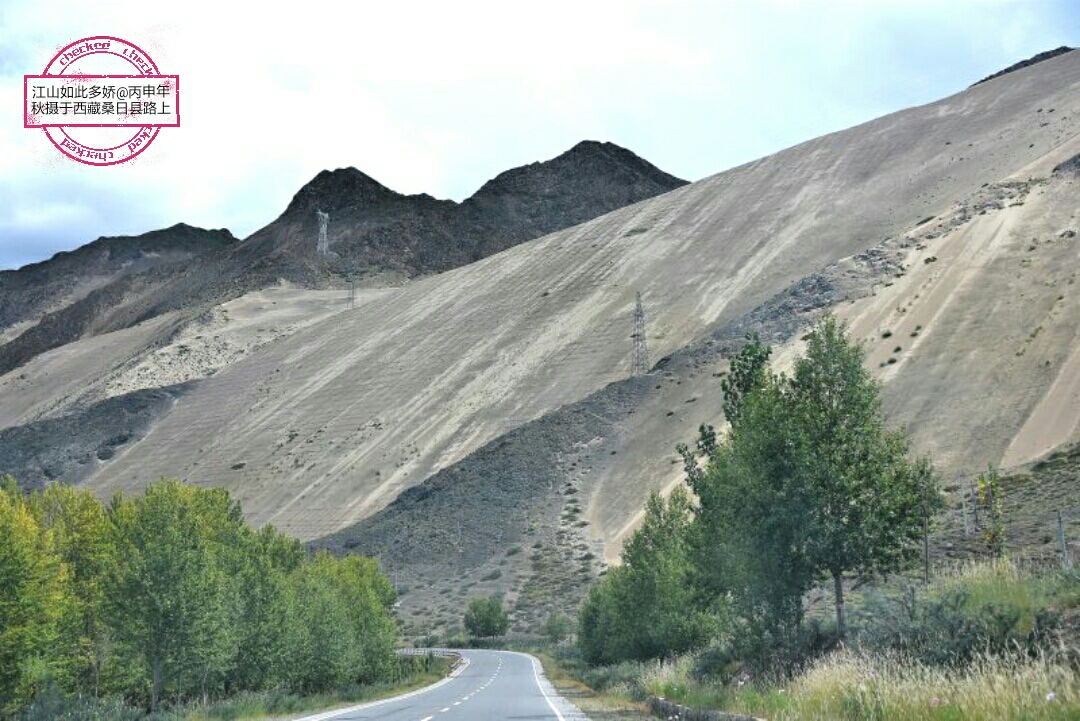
x: 488, y: 686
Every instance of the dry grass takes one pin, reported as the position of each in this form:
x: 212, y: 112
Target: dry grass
x: 608, y: 705
x: 849, y: 685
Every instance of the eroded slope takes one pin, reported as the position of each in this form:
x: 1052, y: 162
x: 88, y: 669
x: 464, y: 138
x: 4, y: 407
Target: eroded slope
x: 329, y: 425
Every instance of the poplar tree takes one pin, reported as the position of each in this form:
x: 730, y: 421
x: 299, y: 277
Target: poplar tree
x: 867, y: 497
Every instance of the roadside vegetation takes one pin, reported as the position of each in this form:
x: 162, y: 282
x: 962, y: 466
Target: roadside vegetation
x: 170, y: 600
x: 485, y: 618
x: 785, y: 581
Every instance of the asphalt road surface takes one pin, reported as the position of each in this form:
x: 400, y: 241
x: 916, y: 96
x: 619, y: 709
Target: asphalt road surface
x: 495, y: 685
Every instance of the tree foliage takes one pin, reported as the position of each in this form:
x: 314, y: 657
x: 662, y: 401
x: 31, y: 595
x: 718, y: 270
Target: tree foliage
x: 171, y: 595
x: 486, y: 618
x: 35, y: 601
x: 644, y: 607
x: 747, y: 373
x: 810, y: 484
x: 556, y: 627
x: 867, y: 496
x: 990, y: 498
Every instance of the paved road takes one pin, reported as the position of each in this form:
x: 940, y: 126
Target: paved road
x: 495, y: 685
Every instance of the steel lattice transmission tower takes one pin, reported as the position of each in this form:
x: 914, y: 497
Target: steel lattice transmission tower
x: 639, y: 359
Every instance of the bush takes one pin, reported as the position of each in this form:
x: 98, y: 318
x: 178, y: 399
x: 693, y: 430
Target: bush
x: 626, y: 675
x: 51, y: 705
x: 556, y: 627
x: 986, y: 608
x: 777, y: 654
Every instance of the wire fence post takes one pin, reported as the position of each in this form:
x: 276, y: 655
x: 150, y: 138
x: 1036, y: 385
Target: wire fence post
x: 1066, y: 557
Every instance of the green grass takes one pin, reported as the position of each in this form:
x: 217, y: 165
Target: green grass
x: 612, y: 704
x: 885, y: 684
x: 1003, y: 583
x: 674, y: 681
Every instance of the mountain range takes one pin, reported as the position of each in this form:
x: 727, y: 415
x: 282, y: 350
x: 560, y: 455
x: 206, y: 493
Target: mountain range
x: 450, y: 387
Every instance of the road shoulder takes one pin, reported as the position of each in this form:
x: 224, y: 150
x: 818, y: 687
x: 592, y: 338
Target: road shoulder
x: 594, y: 706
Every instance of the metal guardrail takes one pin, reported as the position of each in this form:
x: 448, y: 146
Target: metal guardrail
x: 456, y: 657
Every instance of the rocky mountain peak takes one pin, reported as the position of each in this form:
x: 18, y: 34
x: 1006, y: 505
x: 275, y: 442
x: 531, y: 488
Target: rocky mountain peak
x: 590, y: 165
x: 335, y: 190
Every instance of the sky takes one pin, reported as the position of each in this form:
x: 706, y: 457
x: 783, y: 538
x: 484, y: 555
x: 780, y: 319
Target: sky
x: 438, y: 97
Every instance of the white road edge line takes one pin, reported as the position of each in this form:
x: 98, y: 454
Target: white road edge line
x: 342, y: 711
x: 536, y: 674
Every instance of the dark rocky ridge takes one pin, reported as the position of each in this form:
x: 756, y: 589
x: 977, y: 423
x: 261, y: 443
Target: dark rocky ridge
x: 540, y: 198
x: 69, y: 447
x: 1040, y: 57
x: 373, y: 230
x: 34, y: 289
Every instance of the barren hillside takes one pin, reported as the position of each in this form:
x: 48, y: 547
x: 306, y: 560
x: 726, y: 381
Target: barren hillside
x: 330, y: 424
x: 374, y: 237
x: 483, y: 420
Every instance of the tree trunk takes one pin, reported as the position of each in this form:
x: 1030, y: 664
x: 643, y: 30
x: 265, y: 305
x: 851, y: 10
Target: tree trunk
x: 205, y: 695
x: 155, y: 695
x: 926, y: 548
x: 838, y: 584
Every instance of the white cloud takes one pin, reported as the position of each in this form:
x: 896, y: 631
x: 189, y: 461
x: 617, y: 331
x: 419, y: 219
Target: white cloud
x: 438, y: 97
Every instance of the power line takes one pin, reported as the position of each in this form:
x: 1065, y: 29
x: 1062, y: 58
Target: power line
x: 323, y: 246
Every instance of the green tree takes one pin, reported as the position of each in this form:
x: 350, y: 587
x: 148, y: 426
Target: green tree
x: 169, y: 597
x: 750, y: 532
x: 556, y: 627
x: 321, y: 645
x: 262, y: 655
x: 486, y: 617
x: 35, y: 600
x: 80, y: 529
x: 811, y: 482
x: 867, y: 497
x: 340, y: 628
x: 645, y: 608
x: 368, y: 596
x: 991, y: 499
x: 172, y: 594
x: 605, y: 633
x: 222, y: 530
x: 748, y: 372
